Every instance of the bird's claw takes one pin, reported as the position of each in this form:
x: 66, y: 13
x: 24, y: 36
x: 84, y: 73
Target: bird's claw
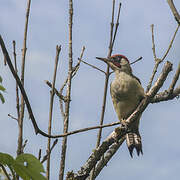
x: 124, y: 124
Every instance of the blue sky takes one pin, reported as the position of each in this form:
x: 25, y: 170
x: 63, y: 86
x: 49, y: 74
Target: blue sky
x: 48, y: 26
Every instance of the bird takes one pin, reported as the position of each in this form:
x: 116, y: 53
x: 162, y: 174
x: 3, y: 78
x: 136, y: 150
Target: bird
x: 126, y: 93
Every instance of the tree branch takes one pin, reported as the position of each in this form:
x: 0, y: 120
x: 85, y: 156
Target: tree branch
x: 56, y: 91
x: 174, y: 10
x: 111, y: 44
x: 52, y: 92
x: 68, y: 94
x: 48, y: 152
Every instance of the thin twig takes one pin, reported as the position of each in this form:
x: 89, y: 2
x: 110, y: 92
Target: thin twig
x: 17, y: 90
x: 52, y: 92
x: 174, y: 81
x: 170, y: 45
x: 174, y: 11
x: 13, y: 117
x: 153, y: 43
x: 68, y: 94
x: 39, y: 154
x: 24, y: 145
x: 5, y: 172
x: 56, y: 91
x: 20, y: 135
x: 166, y: 96
x: 48, y: 152
x: 92, y: 66
x: 111, y: 44
x: 157, y: 60
x: 76, y: 68
x: 117, y: 24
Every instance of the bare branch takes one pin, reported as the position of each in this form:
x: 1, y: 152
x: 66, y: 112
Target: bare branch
x: 17, y: 91
x: 111, y: 44
x: 117, y: 24
x: 170, y: 45
x: 174, y: 81
x: 75, y: 69
x: 92, y: 66
x: 157, y: 60
x: 21, y: 116
x: 170, y: 93
x: 13, y: 117
x: 153, y: 43
x: 174, y: 10
x: 39, y: 154
x: 56, y: 91
x: 24, y: 145
x: 48, y: 152
x: 58, y: 49
x: 107, y: 157
x: 5, y: 172
x: 68, y: 94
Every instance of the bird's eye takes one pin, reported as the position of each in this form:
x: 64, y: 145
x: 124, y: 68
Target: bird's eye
x: 116, y: 59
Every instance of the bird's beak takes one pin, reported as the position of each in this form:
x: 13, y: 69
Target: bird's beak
x: 104, y: 59
x: 109, y: 62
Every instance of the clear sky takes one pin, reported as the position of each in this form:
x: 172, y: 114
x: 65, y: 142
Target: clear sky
x: 48, y: 26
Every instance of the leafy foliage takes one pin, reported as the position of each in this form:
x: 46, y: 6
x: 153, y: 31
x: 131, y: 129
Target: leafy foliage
x: 26, y: 166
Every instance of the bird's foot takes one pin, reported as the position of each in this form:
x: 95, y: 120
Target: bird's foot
x: 124, y: 124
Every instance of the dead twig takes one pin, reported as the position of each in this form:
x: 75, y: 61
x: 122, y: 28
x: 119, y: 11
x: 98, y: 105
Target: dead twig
x: 111, y: 44
x: 68, y: 94
x: 52, y: 92
x: 17, y: 90
x: 5, y: 172
x: 174, y: 81
x: 171, y: 43
x: 166, y: 96
x: 21, y: 116
x: 13, y: 117
x: 174, y: 10
x: 159, y: 60
x: 107, y: 157
x: 75, y: 69
x: 92, y: 66
x: 56, y: 91
x: 48, y: 152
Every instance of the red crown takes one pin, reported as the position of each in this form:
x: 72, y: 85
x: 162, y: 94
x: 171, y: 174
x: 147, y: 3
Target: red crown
x: 121, y: 56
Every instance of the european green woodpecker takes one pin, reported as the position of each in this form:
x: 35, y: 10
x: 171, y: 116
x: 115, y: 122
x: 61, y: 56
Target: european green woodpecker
x: 126, y: 92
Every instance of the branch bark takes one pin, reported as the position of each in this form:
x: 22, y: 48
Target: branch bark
x: 52, y: 92
x: 174, y: 10
x: 21, y: 116
x: 68, y: 94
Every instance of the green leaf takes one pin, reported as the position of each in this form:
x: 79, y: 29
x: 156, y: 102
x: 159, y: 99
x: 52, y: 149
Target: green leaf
x: 6, y: 159
x: 0, y: 79
x: 2, y: 88
x: 29, y: 167
x: 2, y: 98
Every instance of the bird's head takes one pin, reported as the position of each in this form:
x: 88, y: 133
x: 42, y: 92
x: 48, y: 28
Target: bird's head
x: 118, y: 62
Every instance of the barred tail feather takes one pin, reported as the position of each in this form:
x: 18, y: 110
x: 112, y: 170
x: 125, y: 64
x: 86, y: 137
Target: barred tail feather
x: 133, y: 141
